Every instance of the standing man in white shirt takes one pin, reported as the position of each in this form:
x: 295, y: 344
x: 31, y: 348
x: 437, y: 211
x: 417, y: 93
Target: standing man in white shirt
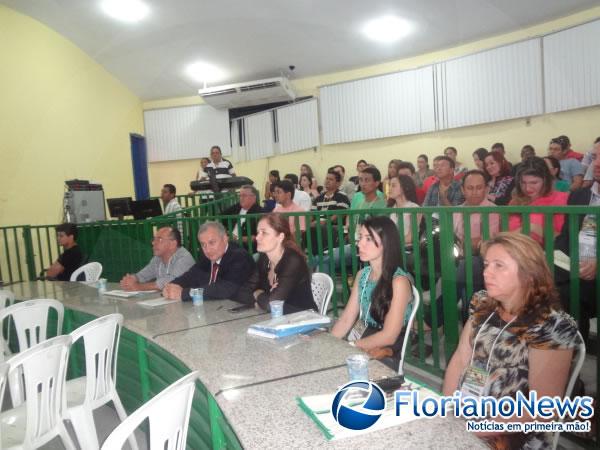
x: 222, y: 167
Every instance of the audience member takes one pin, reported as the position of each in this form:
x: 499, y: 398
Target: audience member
x: 221, y: 270
x: 571, y: 169
x: 499, y: 147
x: 306, y: 183
x: 71, y: 258
x: 347, y: 187
x: 284, y: 193
x: 305, y: 169
x: 281, y: 272
x: 222, y: 167
x: 588, y: 259
x: 300, y: 198
x: 479, y: 158
x: 248, y: 205
x: 331, y: 199
x: 423, y: 171
x: 360, y: 166
x: 270, y: 184
x: 500, y: 182
x: 170, y: 261
x: 526, y: 152
x: 534, y: 186
x: 475, y: 190
x: 588, y: 163
x: 571, y: 153
x: 369, y: 196
x: 407, y: 168
x: 459, y: 168
x: 168, y: 196
x: 201, y: 175
x: 403, y: 195
x: 391, y: 173
x: 379, y: 306
x: 446, y: 191
x: 554, y: 168
x: 517, y: 338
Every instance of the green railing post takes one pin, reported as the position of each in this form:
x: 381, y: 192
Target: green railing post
x: 448, y: 269
x: 143, y: 366
x: 29, y: 254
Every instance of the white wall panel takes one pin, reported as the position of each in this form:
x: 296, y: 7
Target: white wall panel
x: 298, y: 126
x: 572, y: 67
x: 378, y: 107
x: 185, y: 132
x: 498, y: 84
x: 259, y: 136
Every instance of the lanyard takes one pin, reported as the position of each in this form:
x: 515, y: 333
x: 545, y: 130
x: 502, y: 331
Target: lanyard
x: 487, y: 367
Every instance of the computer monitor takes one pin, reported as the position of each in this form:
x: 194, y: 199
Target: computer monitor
x: 119, y: 207
x: 142, y: 209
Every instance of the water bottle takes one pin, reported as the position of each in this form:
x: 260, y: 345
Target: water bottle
x: 587, y: 241
x: 197, y: 295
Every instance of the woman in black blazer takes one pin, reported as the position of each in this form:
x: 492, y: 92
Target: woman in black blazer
x: 282, y: 272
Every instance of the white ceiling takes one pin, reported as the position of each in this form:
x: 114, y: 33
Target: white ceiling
x: 252, y: 39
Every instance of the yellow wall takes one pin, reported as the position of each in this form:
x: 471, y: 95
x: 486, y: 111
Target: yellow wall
x: 580, y: 125
x: 63, y: 116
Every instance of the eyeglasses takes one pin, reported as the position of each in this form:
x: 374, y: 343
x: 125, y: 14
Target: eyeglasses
x: 161, y: 239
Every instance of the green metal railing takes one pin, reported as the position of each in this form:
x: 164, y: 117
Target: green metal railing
x: 124, y: 247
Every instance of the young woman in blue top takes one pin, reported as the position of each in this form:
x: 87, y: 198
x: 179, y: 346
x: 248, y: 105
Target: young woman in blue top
x: 380, y: 301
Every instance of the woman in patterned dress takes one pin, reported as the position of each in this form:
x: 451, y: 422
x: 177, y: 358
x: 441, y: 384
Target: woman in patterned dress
x: 516, y: 334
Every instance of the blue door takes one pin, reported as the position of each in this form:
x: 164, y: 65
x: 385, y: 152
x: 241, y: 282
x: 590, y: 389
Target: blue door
x: 139, y: 162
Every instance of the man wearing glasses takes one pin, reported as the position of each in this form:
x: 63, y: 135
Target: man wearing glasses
x: 169, y: 262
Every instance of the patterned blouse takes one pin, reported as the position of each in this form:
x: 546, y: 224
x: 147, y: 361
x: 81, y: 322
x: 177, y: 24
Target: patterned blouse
x: 509, y: 362
x: 502, y: 189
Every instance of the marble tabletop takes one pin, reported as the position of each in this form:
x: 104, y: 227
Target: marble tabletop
x: 149, y: 322
x: 267, y: 416
x: 254, y: 380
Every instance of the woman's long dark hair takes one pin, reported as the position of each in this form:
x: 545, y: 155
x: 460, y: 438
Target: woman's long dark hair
x: 381, y: 298
x: 408, y: 187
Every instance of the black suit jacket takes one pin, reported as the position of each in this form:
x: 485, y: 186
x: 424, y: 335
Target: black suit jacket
x: 293, y: 283
x: 579, y: 197
x: 235, y: 210
x: 235, y: 268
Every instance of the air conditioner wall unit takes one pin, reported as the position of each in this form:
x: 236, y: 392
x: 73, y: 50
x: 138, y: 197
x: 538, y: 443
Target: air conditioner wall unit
x: 257, y: 92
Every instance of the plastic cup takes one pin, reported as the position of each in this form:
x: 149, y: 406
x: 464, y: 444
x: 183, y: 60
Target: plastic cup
x: 197, y: 295
x: 276, y: 308
x: 102, y: 285
x: 358, y: 367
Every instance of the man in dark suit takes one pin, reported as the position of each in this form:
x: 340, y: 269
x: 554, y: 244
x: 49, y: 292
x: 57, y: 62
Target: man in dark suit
x: 248, y: 205
x: 221, y: 270
x: 587, y: 236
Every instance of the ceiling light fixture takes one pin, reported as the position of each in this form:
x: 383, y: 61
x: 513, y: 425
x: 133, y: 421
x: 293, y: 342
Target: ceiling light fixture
x: 205, y: 72
x: 125, y: 10
x: 387, y: 29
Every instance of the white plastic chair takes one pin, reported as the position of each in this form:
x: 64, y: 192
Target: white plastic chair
x: 36, y: 381
x: 31, y: 322
x: 3, y: 376
x: 415, y: 307
x: 91, y: 270
x: 168, y: 414
x: 7, y: 298
x: 575, y: 369
x: 98, y: 386
x: 322, y: 288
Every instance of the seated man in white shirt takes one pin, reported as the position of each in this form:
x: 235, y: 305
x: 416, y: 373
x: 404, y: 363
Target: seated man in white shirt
x: 168, y: 197
x: 301, y: 198
x: 170, y: 261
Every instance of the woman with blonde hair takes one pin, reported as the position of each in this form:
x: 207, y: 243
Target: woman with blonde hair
x: 516, y: 335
